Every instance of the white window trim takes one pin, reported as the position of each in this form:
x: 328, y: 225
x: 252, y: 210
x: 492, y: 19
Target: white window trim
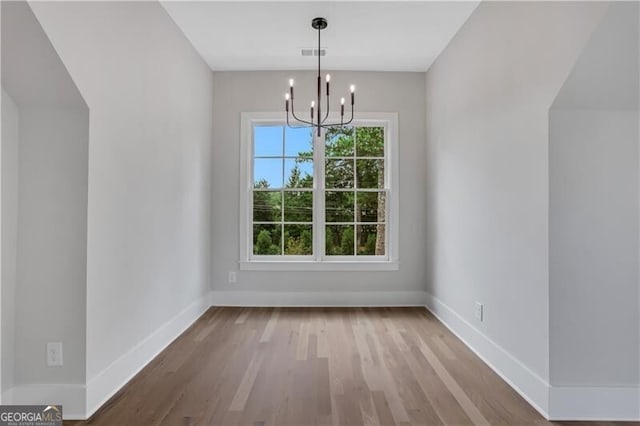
x: 319, y: 262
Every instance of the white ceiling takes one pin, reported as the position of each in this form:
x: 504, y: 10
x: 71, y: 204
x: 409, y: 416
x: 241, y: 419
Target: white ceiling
x: 362, y: 35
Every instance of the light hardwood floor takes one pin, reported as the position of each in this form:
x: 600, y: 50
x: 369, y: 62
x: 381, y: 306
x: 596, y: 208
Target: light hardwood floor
x: 317, y: 366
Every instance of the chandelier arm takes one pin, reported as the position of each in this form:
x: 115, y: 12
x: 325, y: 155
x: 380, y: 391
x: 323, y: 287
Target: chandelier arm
x: 288, y: 124
x: 351, y: 119
x: 308, y: 123
x: 293, y: 112
x: 298, y: 119
x: 341, y: 123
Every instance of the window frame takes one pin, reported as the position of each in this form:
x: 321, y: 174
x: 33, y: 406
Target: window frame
x: 319, y: 261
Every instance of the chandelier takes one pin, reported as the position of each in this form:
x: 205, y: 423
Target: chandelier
x: 317, y: 120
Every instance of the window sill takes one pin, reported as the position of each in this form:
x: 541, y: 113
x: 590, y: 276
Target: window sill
x: 335, y: 266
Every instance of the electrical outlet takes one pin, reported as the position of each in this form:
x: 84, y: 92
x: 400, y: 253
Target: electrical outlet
x: 479, y: 311
x: 54, y: 354
x: 233, y: 277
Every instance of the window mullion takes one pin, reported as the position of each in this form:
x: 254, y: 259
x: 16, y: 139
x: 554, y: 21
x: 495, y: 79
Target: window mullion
x: 282, y: 206
x: 318, y: 193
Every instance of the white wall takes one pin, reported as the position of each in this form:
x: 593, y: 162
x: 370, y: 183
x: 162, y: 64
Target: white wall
x: 237, y: 92
x: 594, y: 247
x: 52, y: 243
x: 488, y: 97
x: 150, y: 97
x: 605, y: 76
x: 593, y: 211
x: 9, y: 179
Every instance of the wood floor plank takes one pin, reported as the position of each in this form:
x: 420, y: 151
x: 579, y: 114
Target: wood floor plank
x: 377, y: 374
x: 418, y: 405
x: 382, y: 408
x: 395, y: 334
x: 324, y: 366
x: 242, y: 394
x: 243, y: 316
x: 467, y: 405
x: 443, y: 348
x: 321, y: 331
x: 271, y: 325
x: 303, y: 341
x: 446, y: 406
x: 501, y: 406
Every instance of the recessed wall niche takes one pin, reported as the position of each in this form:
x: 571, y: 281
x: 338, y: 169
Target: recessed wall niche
x: 45, y: 141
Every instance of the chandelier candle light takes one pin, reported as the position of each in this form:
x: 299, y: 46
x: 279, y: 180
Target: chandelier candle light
x: 316, y: 106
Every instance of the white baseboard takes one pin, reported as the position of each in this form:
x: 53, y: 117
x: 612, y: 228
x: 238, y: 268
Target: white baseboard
x: 594, y: 403
x: 105, y: 384
x: 527, y: 383
x: 553, y: 402
x: 70, y: 396
x: 556, y: 403
x: 317, y: 298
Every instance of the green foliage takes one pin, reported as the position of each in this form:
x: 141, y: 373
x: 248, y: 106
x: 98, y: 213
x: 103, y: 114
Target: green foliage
x: 370, y: 142
x: 329, y: 241
x: 346, y: 243
x: 264, y: 244
x: 266, y: 206
x: 306, y: 238
x: 261, y: 183
x: 339, y: 142
x: 294, y: 246
x: 296, y: 179
x: 370, y: 245
x: 339, y: 206
x: 298, y: 240
x: 298, y: 206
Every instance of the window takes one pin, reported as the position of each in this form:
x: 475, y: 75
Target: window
x: 318, y: 203
x: 282, y: 192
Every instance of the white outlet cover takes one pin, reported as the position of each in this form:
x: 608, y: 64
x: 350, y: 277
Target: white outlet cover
x: 54, y: 354
x: 233, y: 277
x: 479, y: 311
